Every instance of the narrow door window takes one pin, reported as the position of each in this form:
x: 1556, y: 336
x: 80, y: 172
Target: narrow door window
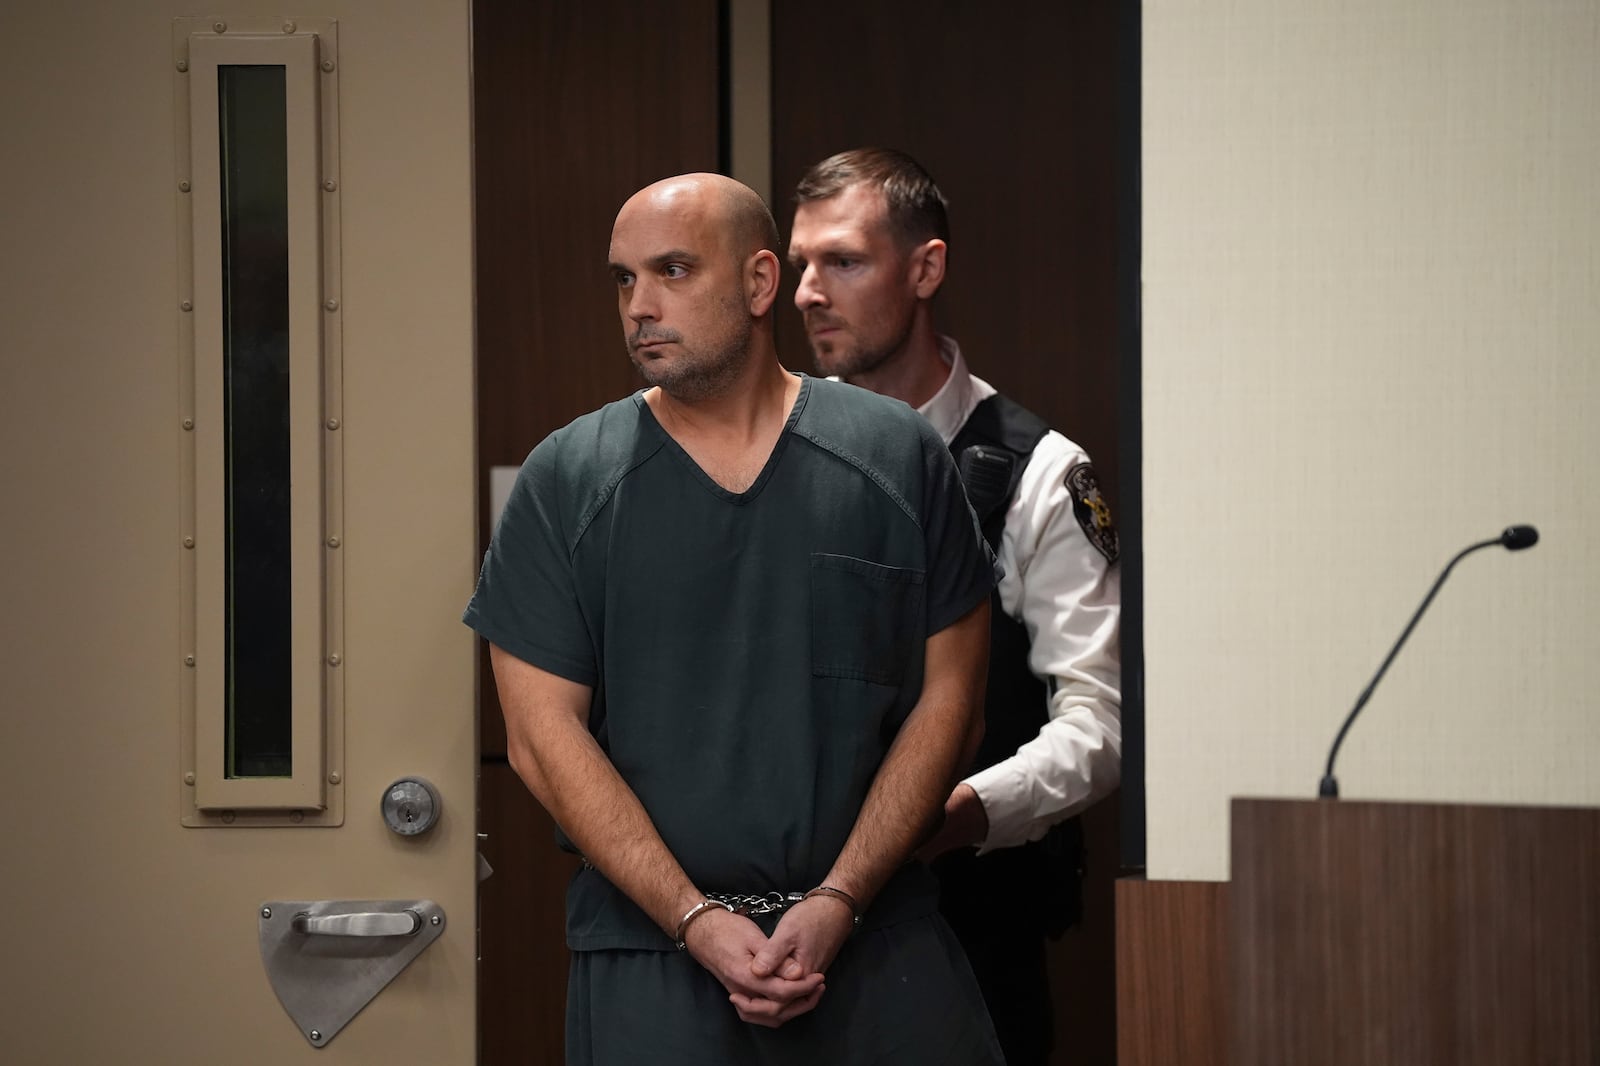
x: 263, y: 547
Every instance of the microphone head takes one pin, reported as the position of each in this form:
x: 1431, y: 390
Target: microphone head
x: 1515, y: 538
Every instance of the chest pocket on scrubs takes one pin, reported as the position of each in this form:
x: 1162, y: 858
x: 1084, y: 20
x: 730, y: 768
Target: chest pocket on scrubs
x: 866, y: 618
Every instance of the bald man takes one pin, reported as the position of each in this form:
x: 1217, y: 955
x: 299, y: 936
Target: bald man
x: 739, y: 626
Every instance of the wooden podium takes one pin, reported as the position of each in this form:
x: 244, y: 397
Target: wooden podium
x: 1375, y: 934
x: 1407, y: 934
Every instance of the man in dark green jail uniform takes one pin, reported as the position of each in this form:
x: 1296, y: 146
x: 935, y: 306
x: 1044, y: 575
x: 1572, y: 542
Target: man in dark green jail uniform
x: 739, y: 623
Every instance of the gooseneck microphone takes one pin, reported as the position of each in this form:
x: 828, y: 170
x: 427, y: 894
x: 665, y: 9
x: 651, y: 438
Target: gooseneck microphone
x: 1515, y: 538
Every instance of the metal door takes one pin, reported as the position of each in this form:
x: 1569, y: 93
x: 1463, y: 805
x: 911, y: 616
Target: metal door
x: 137, y: 930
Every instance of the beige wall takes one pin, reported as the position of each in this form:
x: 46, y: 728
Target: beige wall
x: 1371, y: 336
x: 131, y: 939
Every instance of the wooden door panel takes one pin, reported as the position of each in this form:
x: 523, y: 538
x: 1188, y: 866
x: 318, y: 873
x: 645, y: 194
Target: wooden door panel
x: 1013, y: 110
x: 522, y: 915
x: 576, y: 106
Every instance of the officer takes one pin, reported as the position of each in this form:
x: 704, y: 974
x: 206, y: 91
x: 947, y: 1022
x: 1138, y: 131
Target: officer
x: 870, y: 243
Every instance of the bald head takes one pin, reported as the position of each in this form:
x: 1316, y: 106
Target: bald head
x: 716, y: 206
x: 697, y: 274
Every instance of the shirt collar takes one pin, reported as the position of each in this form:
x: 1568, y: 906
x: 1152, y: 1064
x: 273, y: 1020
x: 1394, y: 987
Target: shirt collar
x: 949, y: 408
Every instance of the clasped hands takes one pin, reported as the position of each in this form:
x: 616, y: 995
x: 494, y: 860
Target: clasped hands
x: 771, y: 980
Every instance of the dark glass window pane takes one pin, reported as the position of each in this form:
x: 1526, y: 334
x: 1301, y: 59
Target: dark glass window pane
x: 255, y: 355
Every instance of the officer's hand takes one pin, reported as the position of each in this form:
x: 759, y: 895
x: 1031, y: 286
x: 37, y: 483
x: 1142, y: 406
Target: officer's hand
x: 965, y: 825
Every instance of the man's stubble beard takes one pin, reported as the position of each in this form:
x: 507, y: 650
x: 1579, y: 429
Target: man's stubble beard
x: 702, y: 373
x: 852, y: 360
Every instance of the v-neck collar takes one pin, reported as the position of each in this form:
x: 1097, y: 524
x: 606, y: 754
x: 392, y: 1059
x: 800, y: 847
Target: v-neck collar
x: 710, y: 483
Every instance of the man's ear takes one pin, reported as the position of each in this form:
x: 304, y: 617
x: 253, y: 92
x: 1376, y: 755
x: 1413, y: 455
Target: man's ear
x: 927, y: 267
x: 762, y: 273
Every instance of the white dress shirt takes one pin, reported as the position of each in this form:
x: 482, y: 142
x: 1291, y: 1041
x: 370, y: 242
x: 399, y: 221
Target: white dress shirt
x: 1068, y: 597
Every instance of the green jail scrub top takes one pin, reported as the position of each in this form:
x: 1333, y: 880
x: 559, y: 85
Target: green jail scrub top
x: 752, y: 654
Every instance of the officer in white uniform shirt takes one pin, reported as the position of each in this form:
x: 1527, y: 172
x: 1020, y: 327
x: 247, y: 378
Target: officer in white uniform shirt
x: 869, y: 242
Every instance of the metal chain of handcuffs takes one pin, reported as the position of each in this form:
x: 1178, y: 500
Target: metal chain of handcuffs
x: 749, y: 906
x: 754, y: 906
x: 771, y: 903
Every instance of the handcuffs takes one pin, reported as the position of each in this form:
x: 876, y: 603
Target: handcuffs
x: 753, y: 906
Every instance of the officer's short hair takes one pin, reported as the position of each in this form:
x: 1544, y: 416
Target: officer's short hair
x: 918, y: 211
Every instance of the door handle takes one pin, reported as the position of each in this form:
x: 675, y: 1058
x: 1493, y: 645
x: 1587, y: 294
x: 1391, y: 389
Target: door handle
x: 364, y: 923
x: 327, y: 958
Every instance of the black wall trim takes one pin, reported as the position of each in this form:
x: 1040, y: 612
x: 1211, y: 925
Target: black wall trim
x: 725, y: 91
x: 1130, y: 426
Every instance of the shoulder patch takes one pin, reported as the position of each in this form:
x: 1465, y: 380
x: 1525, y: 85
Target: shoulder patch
x: 1092, y: 511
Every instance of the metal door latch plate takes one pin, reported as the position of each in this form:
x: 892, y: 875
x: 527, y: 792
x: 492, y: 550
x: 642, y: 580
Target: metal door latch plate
x: 327, y: 959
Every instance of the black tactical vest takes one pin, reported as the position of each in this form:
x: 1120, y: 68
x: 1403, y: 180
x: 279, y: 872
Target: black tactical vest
x: 991, y: 451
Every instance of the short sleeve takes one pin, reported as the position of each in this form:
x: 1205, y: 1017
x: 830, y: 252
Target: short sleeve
x: 962, y: 570
x: 527, y: 600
